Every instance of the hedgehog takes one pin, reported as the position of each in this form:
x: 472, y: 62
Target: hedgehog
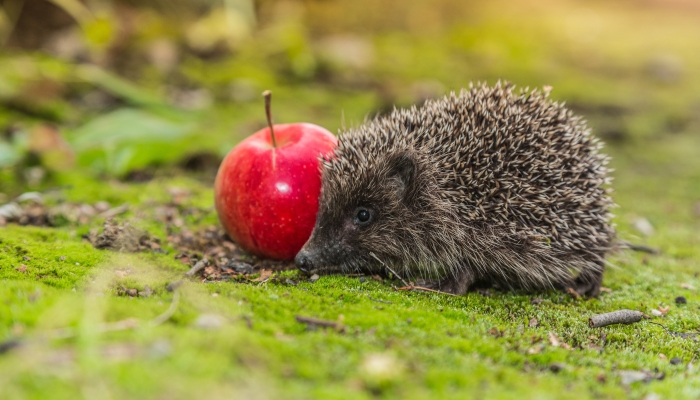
x: 484, y: 188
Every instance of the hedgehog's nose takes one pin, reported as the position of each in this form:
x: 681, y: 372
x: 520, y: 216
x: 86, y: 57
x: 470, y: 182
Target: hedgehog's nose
x: 303, y: 262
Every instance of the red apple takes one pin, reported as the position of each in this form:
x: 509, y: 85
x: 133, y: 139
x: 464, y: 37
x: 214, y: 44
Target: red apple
x: 267, y: 187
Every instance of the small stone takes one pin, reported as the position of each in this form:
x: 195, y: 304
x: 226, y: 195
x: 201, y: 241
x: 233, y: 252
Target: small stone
x: 681, y: 300
x: 209, y: 321
x: 629, y: 377
x: 676, y: 360
x: 362, y: 279
x: 656, y: 313
x: 101, y: 206
x: 240, y: 267
x: 643, y: 226
x: 132, y: 292
x: 314, y: 278
x: 160, y: 349
x: 556, y: 367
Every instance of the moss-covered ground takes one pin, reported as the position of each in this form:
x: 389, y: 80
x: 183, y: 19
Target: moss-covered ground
x: 60, y: 297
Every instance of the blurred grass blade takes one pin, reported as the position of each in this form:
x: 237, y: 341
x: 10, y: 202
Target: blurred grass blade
x: 118, y: 86
x: 127, y: 139
x: 127, y: 127
x: 75, y: 9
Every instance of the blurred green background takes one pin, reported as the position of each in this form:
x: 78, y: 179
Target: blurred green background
x: 128, y: 88
x: 127, y: 107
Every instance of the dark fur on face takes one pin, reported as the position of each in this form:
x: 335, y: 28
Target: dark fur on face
x: 486, y: 186
x: 400, y: 197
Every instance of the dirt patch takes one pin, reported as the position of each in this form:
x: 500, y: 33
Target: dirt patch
x: 226, y: 260
x: 30, y: 209
x: 122, y: 237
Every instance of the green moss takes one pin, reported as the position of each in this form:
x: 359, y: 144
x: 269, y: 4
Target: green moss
x: 53, y: 257
x: 409, y: 344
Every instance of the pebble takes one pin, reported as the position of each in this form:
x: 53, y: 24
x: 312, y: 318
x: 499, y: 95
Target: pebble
x: 209, y: 321
x: 681, y: 300
x: 314, y: 278
x: 676, y: 360
x: 643, y: 226
x: 556, y: 367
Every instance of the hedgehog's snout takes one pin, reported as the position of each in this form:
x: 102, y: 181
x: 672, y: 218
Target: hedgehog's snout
x: 303, y: 261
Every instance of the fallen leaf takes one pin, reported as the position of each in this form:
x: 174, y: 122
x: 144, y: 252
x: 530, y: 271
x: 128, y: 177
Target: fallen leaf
x: 535, y: 350
x: 573, y: 293
x: 22, y: 268
x: 687, y: 286
x: 495, y: 332
x: 534, y: 323
x: 146, y: 292
x: 664, y: 310
x: 46, y: 141
x: 605, y: 289
x: 265, y: 274
x: 556, y: 342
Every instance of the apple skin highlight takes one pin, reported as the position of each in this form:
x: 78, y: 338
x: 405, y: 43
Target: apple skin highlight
x: 267, y: 197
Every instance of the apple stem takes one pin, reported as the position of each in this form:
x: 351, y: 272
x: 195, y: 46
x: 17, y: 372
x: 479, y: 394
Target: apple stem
x: 268, y: 99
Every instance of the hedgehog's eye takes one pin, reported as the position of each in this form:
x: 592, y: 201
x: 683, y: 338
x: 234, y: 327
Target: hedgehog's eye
x: 362, y: 216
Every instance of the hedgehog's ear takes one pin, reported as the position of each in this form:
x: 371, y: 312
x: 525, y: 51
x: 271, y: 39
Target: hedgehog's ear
x: 403, y: 171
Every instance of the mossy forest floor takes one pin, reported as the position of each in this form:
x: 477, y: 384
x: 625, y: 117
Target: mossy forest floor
x: 68, y: 328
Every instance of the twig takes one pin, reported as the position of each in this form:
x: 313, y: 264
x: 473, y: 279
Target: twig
x: 615, y: 317
x: 320, y: 322
x: 379, y: 300
x: 424, y: 289
x: 641, y: 247
x: 113, y: 212
x: 682, y: 335
x: 197, y: 267
x: 390, y: 270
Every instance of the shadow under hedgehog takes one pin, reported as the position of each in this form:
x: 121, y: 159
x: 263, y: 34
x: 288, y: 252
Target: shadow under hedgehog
x: 485, y: 187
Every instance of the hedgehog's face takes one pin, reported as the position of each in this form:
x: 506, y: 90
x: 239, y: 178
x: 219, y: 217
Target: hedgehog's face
x: 365, y: 217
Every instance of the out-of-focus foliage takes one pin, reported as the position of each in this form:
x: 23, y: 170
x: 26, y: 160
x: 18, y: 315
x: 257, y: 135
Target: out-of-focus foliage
x: 124, y: 138
x: 629, y: 67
